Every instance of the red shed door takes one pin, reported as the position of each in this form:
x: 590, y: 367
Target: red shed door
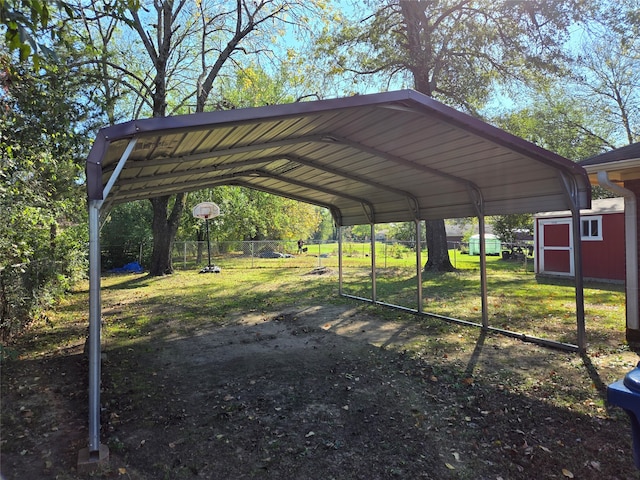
x: 556, y: 246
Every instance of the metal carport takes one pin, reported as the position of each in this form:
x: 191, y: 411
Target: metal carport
x: 387, y: 157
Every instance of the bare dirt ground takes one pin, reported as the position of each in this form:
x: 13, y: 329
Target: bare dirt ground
x: 321, y: 392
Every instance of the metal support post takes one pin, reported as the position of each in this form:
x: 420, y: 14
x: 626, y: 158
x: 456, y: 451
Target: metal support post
x: 340, y: 289
x: 94, y: 327
x: 95, y: 454
x: 571, y: 193
x: 579, y: 282
x: 483, y: 272
x: 374, y: 295
x: 419, y: 262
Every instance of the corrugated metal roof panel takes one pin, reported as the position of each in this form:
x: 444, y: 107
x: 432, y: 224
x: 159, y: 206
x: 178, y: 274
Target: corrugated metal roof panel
x: 395, y: 155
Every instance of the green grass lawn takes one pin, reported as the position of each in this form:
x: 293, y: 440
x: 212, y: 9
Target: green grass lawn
x: 517, y: 301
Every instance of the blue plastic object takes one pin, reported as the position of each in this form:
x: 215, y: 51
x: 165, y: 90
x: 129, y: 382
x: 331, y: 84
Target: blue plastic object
x: 133, y: 267
x: 625, y: 394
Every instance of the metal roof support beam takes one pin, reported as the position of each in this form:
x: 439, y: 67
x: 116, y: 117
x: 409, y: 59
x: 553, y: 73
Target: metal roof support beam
x: 330, y: 139
x: 394, y: 158
x: 226, y: 179
x: 336, y: 214
x: 366, y: 205
x: 227, y: 152
x: 411, y: 199
x: 483, y: 272
x: 572, y: 195
x: 203, y: 170
x: 116, y: 172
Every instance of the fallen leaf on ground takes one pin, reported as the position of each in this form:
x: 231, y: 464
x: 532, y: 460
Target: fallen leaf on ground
x: 567, y: 473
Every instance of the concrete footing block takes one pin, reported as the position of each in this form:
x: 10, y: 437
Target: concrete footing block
x: 89, y: 462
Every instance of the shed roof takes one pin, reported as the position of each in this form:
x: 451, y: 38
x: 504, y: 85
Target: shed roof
x: 622, y: 164
x: 598, y: 207
x: 386, y: 157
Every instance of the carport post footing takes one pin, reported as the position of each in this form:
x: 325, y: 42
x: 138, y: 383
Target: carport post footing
x: 90, y: 462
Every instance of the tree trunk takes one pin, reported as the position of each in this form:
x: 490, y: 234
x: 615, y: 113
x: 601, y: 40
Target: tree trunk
x: 164, y: 232
x: 437, y: 248
x: 424, y: 79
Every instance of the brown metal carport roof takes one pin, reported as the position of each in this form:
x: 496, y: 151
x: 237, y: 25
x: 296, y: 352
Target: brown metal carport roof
x: 387, y: 157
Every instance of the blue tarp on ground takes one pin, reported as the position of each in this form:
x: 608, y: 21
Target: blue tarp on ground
x: 133, y: 267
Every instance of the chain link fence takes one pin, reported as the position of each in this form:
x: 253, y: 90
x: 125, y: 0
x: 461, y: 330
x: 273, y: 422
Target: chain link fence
x: 188, y: 255
x: 279, y: 254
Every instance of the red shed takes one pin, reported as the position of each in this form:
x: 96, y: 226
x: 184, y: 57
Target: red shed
x: 603, y: 250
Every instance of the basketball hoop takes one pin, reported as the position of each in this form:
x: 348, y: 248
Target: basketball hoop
x: 205, y: 211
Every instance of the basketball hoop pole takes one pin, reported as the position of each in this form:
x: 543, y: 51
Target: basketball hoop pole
x: 208, y: 244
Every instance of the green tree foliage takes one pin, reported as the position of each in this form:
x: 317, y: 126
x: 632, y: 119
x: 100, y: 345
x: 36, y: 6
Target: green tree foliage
x: 404, y: 231
x: 252, y: 215
x: 452, y: 50
x: 126, y: 233
x: 42, y: 215
x: 326, y: 229
x: 606, y: 74
x: 507, y: 226
x: 455, y: 51
x: 360, y: 233
x: 25, y: 21
x: 560, y: 123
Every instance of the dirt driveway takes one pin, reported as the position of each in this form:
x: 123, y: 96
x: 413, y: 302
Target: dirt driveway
x: 320, y: 392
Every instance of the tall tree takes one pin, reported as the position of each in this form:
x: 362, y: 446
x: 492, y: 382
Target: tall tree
x: 455, y: 51
x: 186, y: 48
x: 607, y: 70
